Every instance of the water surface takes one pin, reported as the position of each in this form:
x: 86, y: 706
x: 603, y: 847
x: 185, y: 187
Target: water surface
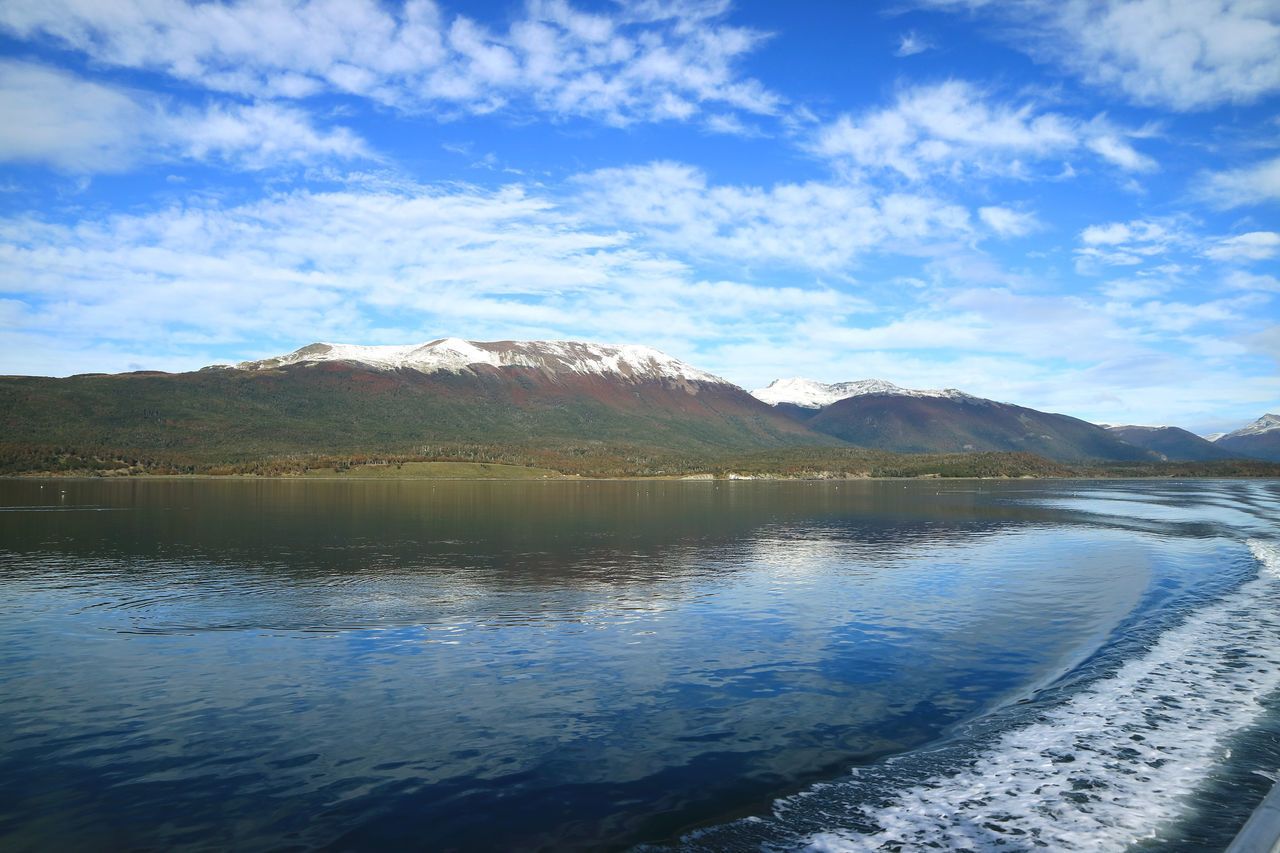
x: 598, y: 665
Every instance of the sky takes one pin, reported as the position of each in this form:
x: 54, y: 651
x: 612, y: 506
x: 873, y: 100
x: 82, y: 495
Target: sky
x: 1072, y: 205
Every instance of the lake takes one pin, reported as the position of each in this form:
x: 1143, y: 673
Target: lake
x: 568, y: 665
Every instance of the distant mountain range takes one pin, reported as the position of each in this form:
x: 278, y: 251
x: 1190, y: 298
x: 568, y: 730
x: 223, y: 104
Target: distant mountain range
x: 875, y: 413
x: 575, y: 398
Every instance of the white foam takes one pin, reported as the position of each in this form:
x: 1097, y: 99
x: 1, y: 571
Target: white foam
x: 1268, y: 554
x: 1112, y: 765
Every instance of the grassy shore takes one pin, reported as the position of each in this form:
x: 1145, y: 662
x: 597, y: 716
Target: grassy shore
x: 434, y: 471
x: 504, y: 463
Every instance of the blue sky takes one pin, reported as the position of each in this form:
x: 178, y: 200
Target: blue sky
x: 1068, y: 204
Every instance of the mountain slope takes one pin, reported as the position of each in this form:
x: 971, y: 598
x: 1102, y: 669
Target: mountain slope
x: 1173, y: 443
x: 919, y: 424
x: 327, y: 398
x: 1260, y: 439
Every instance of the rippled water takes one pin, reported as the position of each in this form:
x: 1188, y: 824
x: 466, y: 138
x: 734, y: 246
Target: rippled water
x: 683, y: 665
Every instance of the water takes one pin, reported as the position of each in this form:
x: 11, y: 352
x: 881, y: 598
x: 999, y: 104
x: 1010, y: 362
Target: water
x: 276, y: 665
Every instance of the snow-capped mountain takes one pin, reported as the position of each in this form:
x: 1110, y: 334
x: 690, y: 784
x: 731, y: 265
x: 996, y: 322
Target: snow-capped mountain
x: 810, y: 394
x: 577, y: 401
x: 454, y: 355
x: 1260, y: 439
x: 878, y: 414
x: 1265, y: 424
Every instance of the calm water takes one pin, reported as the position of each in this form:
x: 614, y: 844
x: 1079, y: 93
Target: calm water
x: 469, y: 666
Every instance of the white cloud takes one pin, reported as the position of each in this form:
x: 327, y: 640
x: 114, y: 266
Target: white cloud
x: 1106, y: 235
x: 1008, y: 223
x: 1256, y: 184
x: 1134, y: 290
x: 909, y: 44
x: 1128, y: 243
x: 1167, y: 248
x: 1253, y: 246
x: 1138, y: 231
x: 643, y: 62
x: 1120, y: 153
x: 817, y: 225
x: 52, y: 117
x: 982, y: 320
x: 1184, y: 54
x: 1241, y: 280
x: 75, y: 125
x: 258, y: 135
x: 954, y: 129
x: 1181, y: 317
x: 424, y: 261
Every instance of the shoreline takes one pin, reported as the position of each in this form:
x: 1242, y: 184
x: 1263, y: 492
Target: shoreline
x: 576, y: 478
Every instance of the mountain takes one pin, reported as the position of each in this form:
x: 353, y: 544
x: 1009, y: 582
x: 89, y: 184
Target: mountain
x: 1260, y: 439
x: 332, y: 398
x: 880, y: 415
x: 1173, y: 443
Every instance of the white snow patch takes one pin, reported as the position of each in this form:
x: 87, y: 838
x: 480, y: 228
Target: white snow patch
x: 811, y: 394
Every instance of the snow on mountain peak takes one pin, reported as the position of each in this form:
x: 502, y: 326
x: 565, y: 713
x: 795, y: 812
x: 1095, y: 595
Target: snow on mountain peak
x: 810, y: 394
x: 1266, y: 423
x: 631, y: 361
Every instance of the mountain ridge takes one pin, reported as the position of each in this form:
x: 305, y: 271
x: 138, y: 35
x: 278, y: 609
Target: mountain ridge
x: 455, y: 355
x: 1172, y: 443
x: 922, y: 424
x: 1263, y: 425
x: 569, y: 399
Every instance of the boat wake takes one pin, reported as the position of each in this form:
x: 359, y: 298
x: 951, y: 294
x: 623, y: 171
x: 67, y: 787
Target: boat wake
x: 1112, y: 765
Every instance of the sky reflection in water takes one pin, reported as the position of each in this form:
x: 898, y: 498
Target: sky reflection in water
x: 536, y: 665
